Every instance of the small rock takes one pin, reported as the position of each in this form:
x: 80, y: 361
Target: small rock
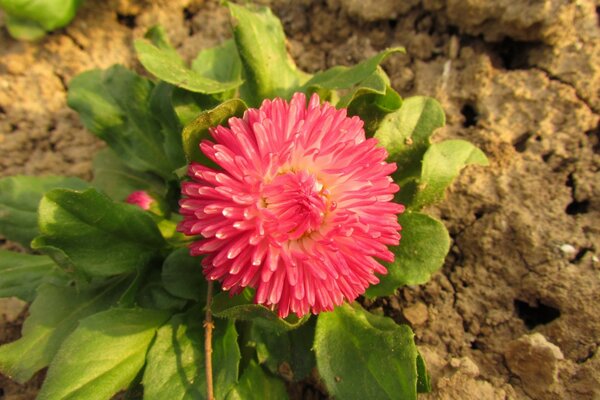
x: 385, y: 9
x: 11, y: 308
x: 416, y: 314
x: 567, y: 248
x: 535, y: 360
x: 466, y: 366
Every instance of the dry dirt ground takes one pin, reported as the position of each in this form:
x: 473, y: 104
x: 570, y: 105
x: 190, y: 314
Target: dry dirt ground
x: 514, y: 312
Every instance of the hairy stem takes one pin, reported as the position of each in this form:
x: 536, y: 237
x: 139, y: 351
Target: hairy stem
x: 208, y: 328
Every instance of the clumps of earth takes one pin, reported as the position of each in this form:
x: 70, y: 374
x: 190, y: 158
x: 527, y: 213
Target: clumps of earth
x: 513, y: 313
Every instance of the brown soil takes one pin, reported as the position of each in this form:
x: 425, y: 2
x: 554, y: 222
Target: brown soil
x: 513, y: 314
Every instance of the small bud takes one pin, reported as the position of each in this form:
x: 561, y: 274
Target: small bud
x: 141, y: 199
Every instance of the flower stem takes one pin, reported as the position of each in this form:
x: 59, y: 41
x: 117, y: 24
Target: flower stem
x: 208, y: 328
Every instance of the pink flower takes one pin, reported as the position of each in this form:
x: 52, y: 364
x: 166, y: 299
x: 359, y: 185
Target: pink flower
x: 140, y: 199
x: 300, y: 209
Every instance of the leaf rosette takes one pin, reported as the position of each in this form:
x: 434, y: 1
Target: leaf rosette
x: 117, y: 299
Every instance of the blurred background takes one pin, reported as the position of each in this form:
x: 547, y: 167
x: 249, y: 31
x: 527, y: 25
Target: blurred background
x: 514, y: 312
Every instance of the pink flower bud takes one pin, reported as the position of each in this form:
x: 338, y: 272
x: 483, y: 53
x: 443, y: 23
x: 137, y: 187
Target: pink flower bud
x: 141, y: 199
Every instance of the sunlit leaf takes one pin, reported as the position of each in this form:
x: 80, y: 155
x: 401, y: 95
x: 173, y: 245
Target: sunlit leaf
x: 268, y: 69
x: 88, y: 233
x: 21, y: 274
x: 103, y: 355
x: 365, y: 356
x: 422, y: 250
x: 442, y: 163
x: 19, y: 200
x: 157, y: 56
x: 342, y: 77
x: 241, y: 307
x: 405, y: 134
x: 30, y: 20
x: 255, y: 383
x: 114, y: 104
x: 175, y: 364
x: 53, y: 316
x: 197, y: 130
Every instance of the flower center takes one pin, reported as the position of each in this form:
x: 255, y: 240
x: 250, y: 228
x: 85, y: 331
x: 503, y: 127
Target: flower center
x: 295, y: 204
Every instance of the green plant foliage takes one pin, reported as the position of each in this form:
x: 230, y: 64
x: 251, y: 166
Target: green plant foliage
x: 30, y: 20
x: 255, y: 383
x: 267, y: 67
x: 158, y: 56
x: 442, y: 163
x: 117, y: 180
x: 114, y: 104
x: 197, y: 130
x: 221, y: 63
x: 118, y: 302
x: 19, y: 200
x: 175, y: 363
x: 365, y: 356
x: 341, y: 77
x: 422, y: 250
x: 78, y: 227
x: 406, y: 133
x: 103, y: 355
x: 241, y: 307
x: 152, y: 294
x: 21, y: 274
x: 375, y: 83
x: 289, y: 353
x: 372, y: 100
x: 423, y: 379
x: 53, y: 316
x: 182, y: 276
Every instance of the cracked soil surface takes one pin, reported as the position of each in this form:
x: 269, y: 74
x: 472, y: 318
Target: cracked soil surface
x: 513, y: 314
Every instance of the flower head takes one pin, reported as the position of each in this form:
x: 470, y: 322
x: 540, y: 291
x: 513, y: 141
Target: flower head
x: 300, y: 209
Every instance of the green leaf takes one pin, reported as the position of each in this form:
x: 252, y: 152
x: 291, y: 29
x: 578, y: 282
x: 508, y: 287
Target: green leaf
x: 221, y: 63
x: 241, y: 307
x: 441, y: 165
x: 52, y: 317
x: 423, y: 248
x: 103, y: 355
x: 189, y: 105
x: 118, y: 181
x: 29, y: 19
x: 256, y: 384
x: 375, y: 83
x: 423, y: 379
x: 372, y: 108
x: 269, y: 70
x: 154, y: 295
x: 365, y: 356
x: 371, y: 100
x: 405, y: 133
x: 341, y: 77
x: 114, y: 104
x: 182, y: 276
x: 19, y: 200
x: 21, y: 274
x: 161, y: 106
x: 288, y: 354
x: 175, y: 364
x: 79, y: 230
x: 24, y: 29
x: 158, y: 56
x: 197, y: 130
